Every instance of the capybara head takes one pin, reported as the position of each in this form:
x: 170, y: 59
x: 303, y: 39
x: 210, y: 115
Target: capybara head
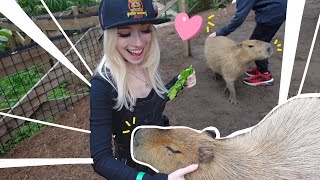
x: 168, y: 149
x: 252, y: 50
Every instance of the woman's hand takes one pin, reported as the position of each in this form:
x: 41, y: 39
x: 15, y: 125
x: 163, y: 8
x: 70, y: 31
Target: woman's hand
x: 191, y: 80
x: 212, y: 35
x: 179, y: 174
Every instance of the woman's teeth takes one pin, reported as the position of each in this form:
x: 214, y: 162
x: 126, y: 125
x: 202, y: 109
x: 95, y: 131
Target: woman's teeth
x: 135, y: 51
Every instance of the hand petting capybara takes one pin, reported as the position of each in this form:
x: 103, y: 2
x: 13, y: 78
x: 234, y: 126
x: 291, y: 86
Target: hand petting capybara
x: 284, y: 146
x: 230, y: 60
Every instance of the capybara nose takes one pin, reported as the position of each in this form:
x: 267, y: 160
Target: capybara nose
x: 269, y: 49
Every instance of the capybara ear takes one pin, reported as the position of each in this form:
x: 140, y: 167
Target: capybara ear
x: 205, y: 154
x: 239, y: 44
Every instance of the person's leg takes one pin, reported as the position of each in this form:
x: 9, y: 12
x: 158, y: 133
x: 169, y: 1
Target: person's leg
x: 264, y: 33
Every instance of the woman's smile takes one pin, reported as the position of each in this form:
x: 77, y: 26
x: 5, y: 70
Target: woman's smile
x: 136, y: 54
x: 132, y: 41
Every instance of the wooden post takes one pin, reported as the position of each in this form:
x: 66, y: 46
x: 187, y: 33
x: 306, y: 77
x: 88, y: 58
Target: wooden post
x: 18, y: 36
x: 27, y: 40
x: 75, y: 10
x: 12, y: 44
x: 186, y: 46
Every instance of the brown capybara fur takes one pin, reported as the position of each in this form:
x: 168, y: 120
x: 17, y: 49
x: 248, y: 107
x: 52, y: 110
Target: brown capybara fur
x: 285, y: 145
x: 231, y: 60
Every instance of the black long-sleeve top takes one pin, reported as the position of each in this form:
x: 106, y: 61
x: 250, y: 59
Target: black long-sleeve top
x: 106, y: 121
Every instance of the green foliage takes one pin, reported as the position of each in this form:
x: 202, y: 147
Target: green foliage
x: 216, y: 6
x: 5, y: 34
x: 35, y: 7
x: 167, y: 16
x: 56, y: 5
x: 13, y: 87
x: 175, y: 7
x: 82, y: 3
x: 60, y: 91
x: 27, y: 130
x: 191, y: 3
x: 212, y: 4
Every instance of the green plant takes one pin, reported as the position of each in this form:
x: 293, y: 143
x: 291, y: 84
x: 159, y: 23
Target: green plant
x: 35, y: 7
x: 184, y: 74
x: 216, y: 6
x: 5, y: 34
x: 13, y: 87
x: 82, y: 3
x: 167, y: 16
x: 191, y: 3
x: 25, y: 131
x: 60, y: 92
x: 212, y: 4
x: 31, y: 7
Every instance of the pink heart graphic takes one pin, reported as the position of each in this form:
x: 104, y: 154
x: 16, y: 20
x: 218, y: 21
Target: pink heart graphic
x: 188, y: 28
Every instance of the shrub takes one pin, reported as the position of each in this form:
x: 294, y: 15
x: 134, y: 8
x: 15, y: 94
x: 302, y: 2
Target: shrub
x: 5, y: 34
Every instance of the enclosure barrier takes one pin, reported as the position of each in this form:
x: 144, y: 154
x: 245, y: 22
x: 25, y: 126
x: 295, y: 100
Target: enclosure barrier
x: 34, y: 84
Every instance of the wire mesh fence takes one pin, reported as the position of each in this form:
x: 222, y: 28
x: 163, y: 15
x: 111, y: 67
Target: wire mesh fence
x: 35, y: 85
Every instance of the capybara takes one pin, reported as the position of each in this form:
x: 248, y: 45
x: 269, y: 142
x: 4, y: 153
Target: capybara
x: 230, y: 60
x: 285, y: 145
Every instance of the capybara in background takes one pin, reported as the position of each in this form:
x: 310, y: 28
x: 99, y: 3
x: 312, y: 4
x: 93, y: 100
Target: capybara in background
x: 230, y: 60
x: 285, y: 145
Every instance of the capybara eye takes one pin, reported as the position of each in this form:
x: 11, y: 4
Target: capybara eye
x: 172, y: 150
x: 250, y: 46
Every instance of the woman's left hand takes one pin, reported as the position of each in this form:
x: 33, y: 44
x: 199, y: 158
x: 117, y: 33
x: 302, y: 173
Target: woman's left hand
x: 191, y: 80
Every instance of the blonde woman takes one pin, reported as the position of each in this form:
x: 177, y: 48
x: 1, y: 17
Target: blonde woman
x: 127, y: 90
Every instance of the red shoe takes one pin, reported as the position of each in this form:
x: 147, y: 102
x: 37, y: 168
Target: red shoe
x: 252, y: 72
x: 260, y: 79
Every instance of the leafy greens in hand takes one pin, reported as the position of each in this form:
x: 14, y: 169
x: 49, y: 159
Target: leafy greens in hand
x: 180, y: 82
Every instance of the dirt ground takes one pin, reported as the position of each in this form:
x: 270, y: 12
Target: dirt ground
x: 202, y: 106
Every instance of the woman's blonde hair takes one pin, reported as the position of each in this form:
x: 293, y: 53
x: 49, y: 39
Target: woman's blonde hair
x: 113, y: 68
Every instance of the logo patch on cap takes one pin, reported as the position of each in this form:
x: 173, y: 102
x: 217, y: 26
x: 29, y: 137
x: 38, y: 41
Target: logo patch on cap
x: 136, y: 9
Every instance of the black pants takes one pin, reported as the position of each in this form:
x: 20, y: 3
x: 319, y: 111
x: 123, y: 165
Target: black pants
x: 264, y: 33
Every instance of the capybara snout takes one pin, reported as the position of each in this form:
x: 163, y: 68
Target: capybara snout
x: 256, y: 50
x: 140, y: 136
x: 270, y: 50
x: 156, y: 146
x: 161, y: 147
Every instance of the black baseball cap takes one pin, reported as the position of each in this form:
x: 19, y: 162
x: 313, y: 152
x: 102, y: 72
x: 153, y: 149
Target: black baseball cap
x: 116, y: 13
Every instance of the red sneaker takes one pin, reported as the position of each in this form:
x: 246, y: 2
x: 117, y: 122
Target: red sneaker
x: 252, y: 72
x: 260, y: 79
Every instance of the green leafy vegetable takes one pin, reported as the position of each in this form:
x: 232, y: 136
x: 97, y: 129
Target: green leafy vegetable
x: 180, y: 82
